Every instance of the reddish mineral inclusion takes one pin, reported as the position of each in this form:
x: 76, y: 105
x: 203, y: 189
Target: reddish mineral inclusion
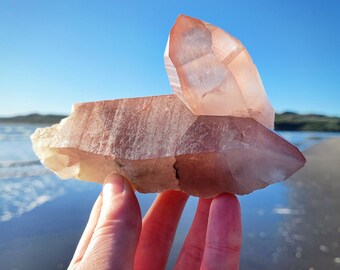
x: 213, y: 74
x: 158, y: 144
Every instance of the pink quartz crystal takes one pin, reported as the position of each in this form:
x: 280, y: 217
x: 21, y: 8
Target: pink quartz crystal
x: 213, y: 74
x: 158, y: 144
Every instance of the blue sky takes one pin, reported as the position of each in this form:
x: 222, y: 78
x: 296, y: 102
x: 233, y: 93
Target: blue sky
x: 56, y: 53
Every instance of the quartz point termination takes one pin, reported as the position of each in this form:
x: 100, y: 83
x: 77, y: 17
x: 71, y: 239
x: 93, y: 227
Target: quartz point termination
x: 158, y: 144
x: 213, y: 74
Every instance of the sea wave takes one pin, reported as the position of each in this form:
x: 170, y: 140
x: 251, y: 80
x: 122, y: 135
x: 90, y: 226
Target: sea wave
x: 15, y: 163
x: 20, y: 169
x: 12, y: 132
x: 20, y: 196
x: 14, y: 137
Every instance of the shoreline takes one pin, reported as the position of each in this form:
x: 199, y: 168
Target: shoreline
x: 287, y: 121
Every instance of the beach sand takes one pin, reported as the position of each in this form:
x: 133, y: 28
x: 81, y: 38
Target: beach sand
x: 308, y: 236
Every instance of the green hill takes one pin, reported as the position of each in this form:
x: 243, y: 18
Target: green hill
x: 306, y: 122
x: 33, y: 119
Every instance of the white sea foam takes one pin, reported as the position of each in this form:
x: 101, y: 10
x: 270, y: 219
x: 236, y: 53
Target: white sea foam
x: 15, y: 171
x: 15, y: 163
x: 19, y: 196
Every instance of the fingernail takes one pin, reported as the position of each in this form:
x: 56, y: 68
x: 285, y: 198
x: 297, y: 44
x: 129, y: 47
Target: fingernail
x: 114, y: 184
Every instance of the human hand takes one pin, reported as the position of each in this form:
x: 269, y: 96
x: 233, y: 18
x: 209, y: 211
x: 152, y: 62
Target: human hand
x: 116, y: 239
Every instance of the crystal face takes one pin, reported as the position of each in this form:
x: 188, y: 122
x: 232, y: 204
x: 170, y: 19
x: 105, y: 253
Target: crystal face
x: 213, y: 74
x: 157, y: 143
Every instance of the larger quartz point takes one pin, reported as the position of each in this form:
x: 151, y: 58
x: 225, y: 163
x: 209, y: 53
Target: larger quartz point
x: 158, y: 144
x: 213, y: 74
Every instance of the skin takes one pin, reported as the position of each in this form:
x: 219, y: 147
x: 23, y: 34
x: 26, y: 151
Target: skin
x: 117, y: 238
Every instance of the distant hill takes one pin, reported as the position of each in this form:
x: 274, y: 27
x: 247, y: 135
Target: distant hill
x: 33, y: 119
x: 289, y: 121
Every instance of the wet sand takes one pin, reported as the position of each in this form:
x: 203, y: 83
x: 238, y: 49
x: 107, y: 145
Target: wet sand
x: 308, y: 235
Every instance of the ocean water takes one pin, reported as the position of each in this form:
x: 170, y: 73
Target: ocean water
x: 42, y: 217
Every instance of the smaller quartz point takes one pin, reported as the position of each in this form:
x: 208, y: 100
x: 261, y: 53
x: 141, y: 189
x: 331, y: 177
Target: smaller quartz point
x: 213, y: 74
x: 158, y: 144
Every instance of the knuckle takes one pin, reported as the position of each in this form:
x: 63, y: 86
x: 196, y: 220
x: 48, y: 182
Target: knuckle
x: 225, y: 248
x: 193, y: 251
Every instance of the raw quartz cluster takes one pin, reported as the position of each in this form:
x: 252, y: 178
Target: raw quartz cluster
x: 213, y: 74
x: 211, y: 137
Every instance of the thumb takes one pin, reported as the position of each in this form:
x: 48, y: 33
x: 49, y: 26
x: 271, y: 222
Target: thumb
x: 115, y: 237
